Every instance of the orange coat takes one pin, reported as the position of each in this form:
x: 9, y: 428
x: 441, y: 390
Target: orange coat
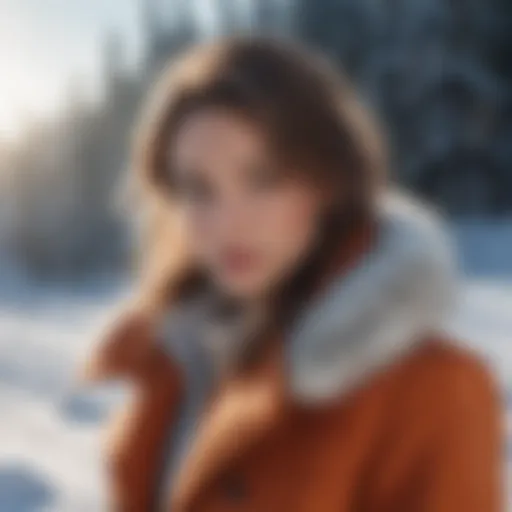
x: 422, y: 435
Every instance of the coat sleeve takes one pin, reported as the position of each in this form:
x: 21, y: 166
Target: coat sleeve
x: 135, y: 435
x: 459, y: 464
x: 130, y: 350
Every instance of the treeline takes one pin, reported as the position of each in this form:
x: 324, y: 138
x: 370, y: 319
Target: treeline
x: 438, y: 74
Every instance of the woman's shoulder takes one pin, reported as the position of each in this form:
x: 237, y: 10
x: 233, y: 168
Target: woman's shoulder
x: 445, y: 375
x: 449, y: 357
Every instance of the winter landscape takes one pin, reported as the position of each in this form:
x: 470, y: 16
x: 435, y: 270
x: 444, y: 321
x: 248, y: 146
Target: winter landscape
x: 438, y: 75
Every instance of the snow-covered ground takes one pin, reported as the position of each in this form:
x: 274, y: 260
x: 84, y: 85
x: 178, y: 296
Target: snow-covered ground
x: 49, y: 431
x: 49, y: 442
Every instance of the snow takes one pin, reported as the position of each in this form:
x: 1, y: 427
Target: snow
x: 49, y: 434
x: 50, y: 431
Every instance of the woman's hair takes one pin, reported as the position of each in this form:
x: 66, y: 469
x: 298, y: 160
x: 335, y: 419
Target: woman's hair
x: 311, y: 120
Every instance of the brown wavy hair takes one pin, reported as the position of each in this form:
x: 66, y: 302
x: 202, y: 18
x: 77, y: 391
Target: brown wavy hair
x: 309, y: 114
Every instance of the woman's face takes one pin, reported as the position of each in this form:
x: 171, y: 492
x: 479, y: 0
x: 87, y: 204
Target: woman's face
x: 248, y: 223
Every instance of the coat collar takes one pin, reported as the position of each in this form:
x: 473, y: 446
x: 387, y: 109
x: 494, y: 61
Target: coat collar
x: 245, y: 409
x: 381, y: 308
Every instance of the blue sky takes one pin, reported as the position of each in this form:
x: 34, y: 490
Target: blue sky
x: 47, y: 44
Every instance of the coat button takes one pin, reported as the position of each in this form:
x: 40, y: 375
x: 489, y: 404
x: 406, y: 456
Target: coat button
x: 234, y: 488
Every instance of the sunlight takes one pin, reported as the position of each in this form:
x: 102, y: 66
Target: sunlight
x: 10, y: 113
x: 27, y: 89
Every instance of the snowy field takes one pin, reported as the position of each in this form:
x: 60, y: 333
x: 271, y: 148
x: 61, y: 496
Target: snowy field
x: 49, y: 434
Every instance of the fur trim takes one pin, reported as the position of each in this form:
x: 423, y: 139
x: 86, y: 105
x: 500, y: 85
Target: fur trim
x: 404, y: 289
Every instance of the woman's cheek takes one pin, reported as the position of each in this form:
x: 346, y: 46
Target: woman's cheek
x: 201, y: 233
x: 289, y: 224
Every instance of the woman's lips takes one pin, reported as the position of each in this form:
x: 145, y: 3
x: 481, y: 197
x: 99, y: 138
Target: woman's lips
x: 239, y: 261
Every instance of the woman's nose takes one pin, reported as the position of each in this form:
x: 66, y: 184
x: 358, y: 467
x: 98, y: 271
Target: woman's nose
x: 231, y: 218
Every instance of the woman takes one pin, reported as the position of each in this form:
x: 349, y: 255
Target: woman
x: 289, y: 354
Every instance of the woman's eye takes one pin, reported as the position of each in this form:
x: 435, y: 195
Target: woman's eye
x: 195, y: 190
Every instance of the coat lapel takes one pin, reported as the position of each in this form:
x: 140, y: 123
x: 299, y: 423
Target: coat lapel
x: 240, y: 414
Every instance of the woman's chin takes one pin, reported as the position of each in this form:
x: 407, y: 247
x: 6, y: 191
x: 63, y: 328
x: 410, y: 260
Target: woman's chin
x: 248, y: 287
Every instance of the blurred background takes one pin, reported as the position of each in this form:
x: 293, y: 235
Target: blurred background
x: 438, y: 73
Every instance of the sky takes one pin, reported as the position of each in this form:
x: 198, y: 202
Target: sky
x: 49, y: 47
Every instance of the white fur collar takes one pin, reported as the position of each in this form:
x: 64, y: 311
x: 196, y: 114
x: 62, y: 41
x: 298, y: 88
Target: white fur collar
x: 405, y: 288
